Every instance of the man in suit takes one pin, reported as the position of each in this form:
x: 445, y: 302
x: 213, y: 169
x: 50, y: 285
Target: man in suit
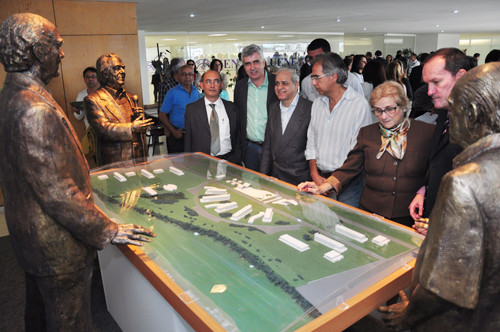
x: 380, y: 58
x: 54, y: 226
x: 202, y: 133
x: 441, y: 70
x: 114, y: 116
x: 253, y: 96
x: 286, y: 132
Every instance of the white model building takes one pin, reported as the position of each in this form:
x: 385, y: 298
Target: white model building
x: 294, y: 243
x: 147, y: 174
x: 285, y: 202
x: 257, y: 216
x: 102, y: 177
x: 357, y: 236
x: 175, y: 170
x: 268, y: 215
x: 215, y: 191
x: 215, y: 198
x: 129, y: 174
x: 170, y: 187
x: 241, y: 213
x: 158, y: 170
x: 220, y: 176
x: 211, y: 206
x: 330, y: 243
x: 333, y: 256
x: 150, y: 191
x: 119, y: 177
x: 380, y: 240
x: 226, y: 207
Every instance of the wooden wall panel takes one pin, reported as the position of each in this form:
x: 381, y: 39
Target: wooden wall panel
x: 95, y: 18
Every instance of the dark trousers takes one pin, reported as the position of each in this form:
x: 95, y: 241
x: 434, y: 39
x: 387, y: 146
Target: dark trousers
x: 175, y: 145
x: 253, y: 155
x: 59, y: 303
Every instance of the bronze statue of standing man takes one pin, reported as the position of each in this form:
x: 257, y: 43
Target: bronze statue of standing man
x: 54, y: 226
x: 456, y: 277
x: 114, y: 115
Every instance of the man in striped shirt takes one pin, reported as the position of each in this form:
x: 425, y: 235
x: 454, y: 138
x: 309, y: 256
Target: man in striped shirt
x: 336, y: 117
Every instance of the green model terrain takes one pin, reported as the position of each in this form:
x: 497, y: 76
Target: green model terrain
x: 200, y: 248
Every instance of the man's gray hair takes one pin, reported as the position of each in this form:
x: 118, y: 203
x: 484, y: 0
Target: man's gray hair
x: 295, y: 76
x: 251, y: 49
x: 176, y: 64
x: 19, y: 35
x: 332, y: 63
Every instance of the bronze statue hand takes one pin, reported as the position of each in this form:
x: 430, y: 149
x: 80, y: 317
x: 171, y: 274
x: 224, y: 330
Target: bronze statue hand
x: 141, y: 126
x: 393, y: 315
x: 132, y: 234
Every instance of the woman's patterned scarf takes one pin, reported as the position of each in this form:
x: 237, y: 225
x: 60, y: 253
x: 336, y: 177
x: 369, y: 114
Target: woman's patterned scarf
x: 394, y: 140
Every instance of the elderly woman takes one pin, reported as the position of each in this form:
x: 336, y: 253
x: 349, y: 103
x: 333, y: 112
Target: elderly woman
x: 394, y: 154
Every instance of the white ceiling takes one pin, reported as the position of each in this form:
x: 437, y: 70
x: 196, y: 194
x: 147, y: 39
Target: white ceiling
x: 317, y: 16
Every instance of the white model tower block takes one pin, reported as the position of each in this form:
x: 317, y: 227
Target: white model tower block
x: 226, y: 207
x: 119, y: 177
x: 294, y: 243
x: 215, y: 191
x: 150, y: 191
x: 175, y: 170
x: 158, y: 170
x: 241, y: 213
x: 357, y: 236
x: 215, y: 198
x: 380, y: 240
x: 211, y: 206
x: 147, y: 174
x: 129, y: 174
x: 102, y: 177
x: 330, y: 243
x: 170, y: 187
x: 268, y: 215
x: 333, y: 256
x: 220, y: 176
x: 257, y: 216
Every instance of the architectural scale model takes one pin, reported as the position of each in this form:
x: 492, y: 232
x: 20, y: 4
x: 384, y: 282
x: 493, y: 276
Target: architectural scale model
x: 234, y: 229
x: 119, y: 177
x: 158, y: 171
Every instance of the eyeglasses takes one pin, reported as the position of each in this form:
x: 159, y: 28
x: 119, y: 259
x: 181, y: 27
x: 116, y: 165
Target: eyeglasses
x: 187, y: 74
x: 316, y: 77
x: 208, y: 82
x: 389, y: 110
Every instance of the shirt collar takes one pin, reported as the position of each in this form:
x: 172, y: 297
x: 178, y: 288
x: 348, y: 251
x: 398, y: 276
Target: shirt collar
x: 208, y: 102
x: 292, y: 105
x: 116, y: 93
x: 265, y: 84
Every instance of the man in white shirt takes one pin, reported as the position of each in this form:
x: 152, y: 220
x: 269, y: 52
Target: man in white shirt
x: 90, y: 78
x: 336, y: 117
x: 315, y: 48
x: 217, y: 134
x: 286, y: 132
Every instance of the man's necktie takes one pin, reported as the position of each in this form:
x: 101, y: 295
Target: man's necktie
x: 214, y: 132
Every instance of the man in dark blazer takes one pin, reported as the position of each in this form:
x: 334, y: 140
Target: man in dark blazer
x: 111, y: 111
x: 286, y: 132
x: 441, y: 70
x: 198, y: 137
x: 255, y: 110
x: 54, y: 226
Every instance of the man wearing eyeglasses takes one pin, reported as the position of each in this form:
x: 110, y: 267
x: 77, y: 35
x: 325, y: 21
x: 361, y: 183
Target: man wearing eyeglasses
x: 336, y: 117
x: 174, y: 105
x: 212, y: 123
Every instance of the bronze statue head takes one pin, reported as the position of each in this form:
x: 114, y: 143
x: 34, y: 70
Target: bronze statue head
x: 29, y: 42
x: 110, y: 70
x: 475, y: 105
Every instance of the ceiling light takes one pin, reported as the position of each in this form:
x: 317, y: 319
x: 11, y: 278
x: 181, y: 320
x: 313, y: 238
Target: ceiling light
x: 169, y: 39
x: 442, y: 31
x: 364, y: 29
x: 338, y: 19
x: 217, y: 34
x: 285, y: 36
x: 455, y: 11
x: 437, y: 25
x: 262, y: 27
x: 192, y: 15
x: 231, y: 39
